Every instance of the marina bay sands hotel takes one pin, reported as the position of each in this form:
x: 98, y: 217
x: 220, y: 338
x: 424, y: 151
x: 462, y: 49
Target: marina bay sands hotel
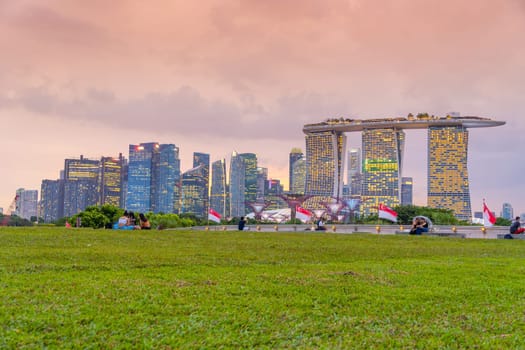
x: 383, y: 142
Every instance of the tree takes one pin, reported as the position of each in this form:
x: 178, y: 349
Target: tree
x: 503, y: 222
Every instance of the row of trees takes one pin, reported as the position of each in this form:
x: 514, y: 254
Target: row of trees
x: 14, y: 220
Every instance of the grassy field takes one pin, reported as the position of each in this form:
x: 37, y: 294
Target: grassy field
x: 91, y: 289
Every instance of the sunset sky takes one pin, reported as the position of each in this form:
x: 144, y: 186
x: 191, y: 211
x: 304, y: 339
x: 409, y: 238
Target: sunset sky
x: 92, y: 77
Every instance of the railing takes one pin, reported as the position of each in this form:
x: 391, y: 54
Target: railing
x: 466, y: 231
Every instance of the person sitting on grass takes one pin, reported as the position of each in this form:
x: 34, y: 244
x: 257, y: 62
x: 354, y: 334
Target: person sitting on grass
x: 123, y: 222
x: 419, y: 225
x: 320, y: 225
x: 242, y: 224
x: 144, y: 222
x: 516, y: 228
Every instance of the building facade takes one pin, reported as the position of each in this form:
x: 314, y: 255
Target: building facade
x: 52, y: 200
x: 81, y: 184
x: 507, y: 212
x: 243, y: 182
x: 406, y: 191
x: 218, y: 197
x: 383, y: 151
x: 111, y: 186
x: 354, y: 172
x: 298, y: 176
x: 194, y: 192
x: 296, y: 154
x: 448, y: 183
x: 324, y: 167
x: 153, y: 175
x: 27, y: 203
x: 203, y: 159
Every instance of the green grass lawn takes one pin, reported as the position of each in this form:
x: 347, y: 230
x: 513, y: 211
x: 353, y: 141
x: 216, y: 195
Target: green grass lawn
x: 91, y: 289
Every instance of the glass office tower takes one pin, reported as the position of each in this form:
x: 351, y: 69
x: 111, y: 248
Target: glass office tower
x: 243, y: 182
x: 218, y: 187
x: 81, y: 188
x: 153, y: 174
x: 111, y: 180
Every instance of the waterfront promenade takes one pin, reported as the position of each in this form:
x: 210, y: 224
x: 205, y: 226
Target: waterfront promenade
x: 466, y: 231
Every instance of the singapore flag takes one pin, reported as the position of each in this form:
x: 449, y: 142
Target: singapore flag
x: 214, y: 216
x: 386, y: 213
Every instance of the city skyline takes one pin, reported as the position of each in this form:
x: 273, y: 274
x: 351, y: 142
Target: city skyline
x: 217, y: 76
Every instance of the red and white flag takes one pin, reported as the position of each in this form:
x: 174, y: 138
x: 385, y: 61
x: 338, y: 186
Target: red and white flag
x: 214, y: 216
x: 302, y: 214
x: 386, y: 213
x: 489, y: 219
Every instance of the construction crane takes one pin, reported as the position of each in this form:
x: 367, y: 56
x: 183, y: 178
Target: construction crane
x: 10, y: 211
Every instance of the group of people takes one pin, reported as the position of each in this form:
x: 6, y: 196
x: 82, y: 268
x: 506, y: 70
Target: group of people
x: 419, y: 225
x: 128, y: 221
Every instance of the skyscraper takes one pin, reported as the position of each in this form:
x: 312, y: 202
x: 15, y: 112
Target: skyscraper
x: 295, y: 155
x: 324, y: 161
x: 406, y: 191
x: 166, y: 176
x: 507, y: 212
x: 448, y: 185
x: 273, y: 190
x: 262, y: 183
x: 81, y: 184
x: 153, y: 173
x: 298, y: 176
x: 237, y: 175
x: 250, y: 177
x: 354, y: 171
x: 218, y: 187
x: 193, y: 192
x: 52, y: 200
x: 204, y: 160
x: 383, y: 155
x: 243, y: 182
x: 140, y: 177
x: 111, y: 180
x: 27, y: 203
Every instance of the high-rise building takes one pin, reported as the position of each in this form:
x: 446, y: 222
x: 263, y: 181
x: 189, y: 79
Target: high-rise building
x: 111, y: 180
x: 447, y: 160
x: 448, y: 184
x: 52, y: 200
x: 250, y: 178
x: 354, y: 171
x: 237, y: 176
x: 243, y: 182
x: 218, y: 187
x: 153, y: 174
x: 166, y: 176
x: 81, y: 184
x: 382, y: 160
x: 298, y: 176
x: 324, y: 164
x: 406, y: 191
x: 507, y: 212
x: 140, y: 177
x: 262, y: 183
x: 295, y: 155
x: 27, y: 203
x: 273, y: 190
x: 193, y: 192
x: 204, y: 160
